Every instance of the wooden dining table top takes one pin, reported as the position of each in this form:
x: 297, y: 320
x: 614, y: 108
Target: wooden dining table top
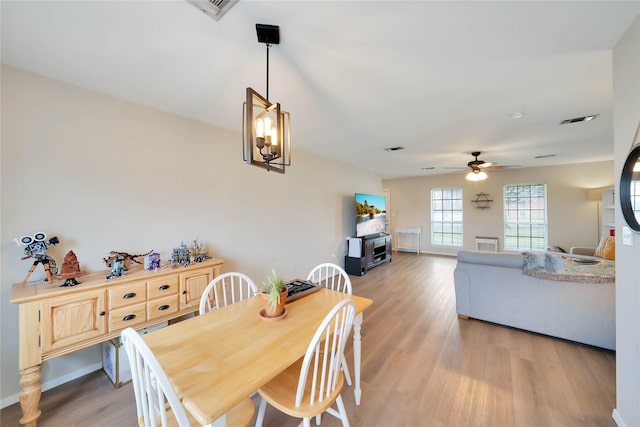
x: 217, y: 359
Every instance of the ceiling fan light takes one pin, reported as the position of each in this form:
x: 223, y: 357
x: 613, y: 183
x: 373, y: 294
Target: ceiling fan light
x: 476, y: 175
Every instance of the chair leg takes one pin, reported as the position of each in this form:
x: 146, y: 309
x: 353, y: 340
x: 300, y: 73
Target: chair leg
x: 318, y: 419
x: 345, y: 369
x: 261, y: 411
x: 343, y: 412
x: 306, y: 422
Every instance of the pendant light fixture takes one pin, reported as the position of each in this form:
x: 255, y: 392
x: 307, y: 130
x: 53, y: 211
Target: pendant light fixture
x: 266, y: 130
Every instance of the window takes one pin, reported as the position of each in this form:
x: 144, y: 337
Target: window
x: 446, y: 216
x: 525, y: 216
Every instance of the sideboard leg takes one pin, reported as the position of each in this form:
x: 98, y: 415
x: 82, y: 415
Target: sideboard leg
x: 30, y: 395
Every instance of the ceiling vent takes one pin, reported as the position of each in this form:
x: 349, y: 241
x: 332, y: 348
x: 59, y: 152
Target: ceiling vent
x: 394, y: 148
x: 579, y: 119
x: 213, y: 8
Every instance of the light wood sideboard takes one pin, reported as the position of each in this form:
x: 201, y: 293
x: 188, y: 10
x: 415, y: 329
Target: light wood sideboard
x: 54, y: 321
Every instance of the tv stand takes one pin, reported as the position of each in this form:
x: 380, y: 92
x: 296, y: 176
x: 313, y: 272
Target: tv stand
x: 375, y: 251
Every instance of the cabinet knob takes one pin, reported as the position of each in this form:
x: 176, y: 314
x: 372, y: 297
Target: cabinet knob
x: 101, y: 313
x: 163, y: 307
x: 164, y: 287
x: 129, y: 295
x: 129, y: 317
x: 184, y: 292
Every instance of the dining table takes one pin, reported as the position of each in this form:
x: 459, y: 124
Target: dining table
x: 217, y: 359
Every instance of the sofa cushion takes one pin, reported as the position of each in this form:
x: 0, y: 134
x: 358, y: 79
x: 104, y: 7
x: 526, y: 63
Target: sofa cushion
x: 601, y: 244
x: 609, y: 250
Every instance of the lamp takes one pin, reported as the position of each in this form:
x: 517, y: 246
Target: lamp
x: 476, y: 174
x: 595, y: 194
x: 266, y: 131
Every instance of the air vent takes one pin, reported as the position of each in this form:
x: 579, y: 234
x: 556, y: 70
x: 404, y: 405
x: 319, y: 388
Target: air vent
x: 578, y: 119
x: 213, y: 8
x: 394, y: 148
x: 545, y: 156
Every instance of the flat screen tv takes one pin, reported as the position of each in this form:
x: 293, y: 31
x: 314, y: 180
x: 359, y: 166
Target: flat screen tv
x: 371, y: 214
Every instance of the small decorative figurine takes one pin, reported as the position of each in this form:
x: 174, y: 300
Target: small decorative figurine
x: 70, y: 270
x: 184, y: 255
x: 119, y: 262
x: 36, y: 248
x: 152, y: 261
x: 181, y: 255
x: 198, y: 252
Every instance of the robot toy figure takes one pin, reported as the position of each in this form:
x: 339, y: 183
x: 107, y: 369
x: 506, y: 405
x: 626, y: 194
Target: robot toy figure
x: 36, y: 248
x: 119, y: 262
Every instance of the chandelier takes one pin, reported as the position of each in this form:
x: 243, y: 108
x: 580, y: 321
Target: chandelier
x: 266, y: 131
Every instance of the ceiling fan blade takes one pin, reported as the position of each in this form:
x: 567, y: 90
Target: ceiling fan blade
x: 497, y: 167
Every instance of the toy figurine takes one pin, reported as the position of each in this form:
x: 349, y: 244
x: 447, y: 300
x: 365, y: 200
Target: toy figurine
x: 116, y: 262
x: 152, y: 261
x: 120, y: 262
x: 181, y: 255
x: 36, y: 247
x: 198, y: 252
x: 70, y: 270
x: 184, y: 255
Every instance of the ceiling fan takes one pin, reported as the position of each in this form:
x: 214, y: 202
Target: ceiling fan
x: 477, y: 167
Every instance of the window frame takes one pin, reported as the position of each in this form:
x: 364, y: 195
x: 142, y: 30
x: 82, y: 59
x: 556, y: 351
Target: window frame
x: 531, y: 211
x: 452, y: 227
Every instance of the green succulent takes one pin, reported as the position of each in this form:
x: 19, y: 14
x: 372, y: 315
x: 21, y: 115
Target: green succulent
x: 273, y: 286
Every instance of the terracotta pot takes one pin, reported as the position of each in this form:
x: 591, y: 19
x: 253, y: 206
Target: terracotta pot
x: 279, y: 308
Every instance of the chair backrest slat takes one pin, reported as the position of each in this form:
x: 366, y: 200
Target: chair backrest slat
x: 331, y: 276
x: 225, y: 289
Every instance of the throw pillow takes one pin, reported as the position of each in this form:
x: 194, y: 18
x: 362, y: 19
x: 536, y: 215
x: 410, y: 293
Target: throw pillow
x: 600, y: 248
x: 609, y: 251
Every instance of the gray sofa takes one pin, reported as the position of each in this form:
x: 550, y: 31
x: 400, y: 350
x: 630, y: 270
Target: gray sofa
x: 491, y: 286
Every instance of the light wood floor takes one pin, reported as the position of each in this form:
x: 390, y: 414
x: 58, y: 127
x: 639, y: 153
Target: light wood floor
x: 421, y: 366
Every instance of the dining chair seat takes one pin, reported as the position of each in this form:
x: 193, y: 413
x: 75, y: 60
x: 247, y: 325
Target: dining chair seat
x: 281, y: 394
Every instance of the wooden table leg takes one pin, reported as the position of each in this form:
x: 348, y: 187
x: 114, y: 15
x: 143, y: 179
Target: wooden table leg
x: 357, y: 357
x: 30, y: 395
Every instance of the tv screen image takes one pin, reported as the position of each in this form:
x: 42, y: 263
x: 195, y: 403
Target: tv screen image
x: 371, y: 214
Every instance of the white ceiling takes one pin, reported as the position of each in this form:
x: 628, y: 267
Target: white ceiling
x: 440, y: 79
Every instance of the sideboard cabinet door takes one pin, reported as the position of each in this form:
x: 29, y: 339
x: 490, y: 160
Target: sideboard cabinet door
x: 71, y: 319
x: 192, y: 284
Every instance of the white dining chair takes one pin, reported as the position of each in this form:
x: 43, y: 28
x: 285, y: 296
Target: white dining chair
x: 310, y: 386
x: 225, y: 289
x: 156, y: 400
x: 332, y: 276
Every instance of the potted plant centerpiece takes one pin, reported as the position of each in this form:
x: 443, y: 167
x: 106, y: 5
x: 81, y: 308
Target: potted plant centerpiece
x: 274, y: 293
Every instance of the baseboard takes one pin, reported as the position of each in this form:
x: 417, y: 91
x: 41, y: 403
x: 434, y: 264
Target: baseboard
x: 617, y: 418
x: 439, y: 253
x: 15, y: 398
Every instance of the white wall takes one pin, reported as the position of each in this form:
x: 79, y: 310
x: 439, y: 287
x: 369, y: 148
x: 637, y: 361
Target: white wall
x: 572, y: 217
x: 626, y: 84
x: 104, y: 174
